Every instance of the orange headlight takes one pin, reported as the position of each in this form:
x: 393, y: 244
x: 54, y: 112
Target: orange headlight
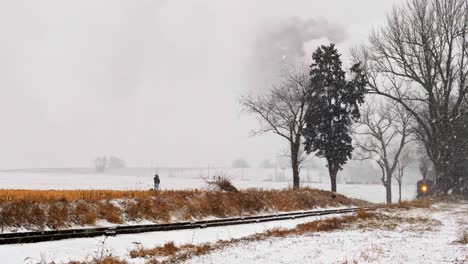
x: 424, y: 188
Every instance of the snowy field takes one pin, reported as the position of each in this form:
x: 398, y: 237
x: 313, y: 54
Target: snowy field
x: 80, y: 249
x: 343, y: 246
x: 189, y: 179
x: 357, y: 246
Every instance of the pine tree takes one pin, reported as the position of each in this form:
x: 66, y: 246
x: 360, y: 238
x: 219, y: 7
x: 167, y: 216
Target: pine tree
x: 333, y: 104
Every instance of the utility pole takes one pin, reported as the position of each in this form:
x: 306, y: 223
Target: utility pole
x: 276, y: 172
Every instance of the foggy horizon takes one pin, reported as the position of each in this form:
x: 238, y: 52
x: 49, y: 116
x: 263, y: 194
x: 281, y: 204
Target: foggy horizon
x: 154, y: 81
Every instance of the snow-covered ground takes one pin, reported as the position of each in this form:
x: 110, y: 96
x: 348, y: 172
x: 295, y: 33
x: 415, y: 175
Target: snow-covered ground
x: 83, y: 248
x: 359, y: 246
x: 186, y: 179
x: 402, y: 245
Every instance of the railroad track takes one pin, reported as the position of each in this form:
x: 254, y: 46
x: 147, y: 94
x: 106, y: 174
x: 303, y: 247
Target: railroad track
x: 41, y: 236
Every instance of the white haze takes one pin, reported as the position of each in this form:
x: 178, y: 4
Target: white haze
x: 153, y: 80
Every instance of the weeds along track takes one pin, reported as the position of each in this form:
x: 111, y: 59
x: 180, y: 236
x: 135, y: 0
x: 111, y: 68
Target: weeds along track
x: 41, y: 236
x: 57, y: 209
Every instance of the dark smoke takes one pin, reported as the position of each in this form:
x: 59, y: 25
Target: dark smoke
x: 280, y: 46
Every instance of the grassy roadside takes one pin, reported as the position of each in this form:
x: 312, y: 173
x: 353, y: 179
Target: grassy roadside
x: 37, y: 210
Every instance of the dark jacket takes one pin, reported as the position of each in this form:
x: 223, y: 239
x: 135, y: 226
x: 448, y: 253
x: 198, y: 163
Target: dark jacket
x: 156, y: 179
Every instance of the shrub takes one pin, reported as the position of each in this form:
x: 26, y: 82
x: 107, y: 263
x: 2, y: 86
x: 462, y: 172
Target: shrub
x: 109, y: 212
x: 37, y: 216
x: 58, y: 215
x: 84, y: 214
x: 222, y: 183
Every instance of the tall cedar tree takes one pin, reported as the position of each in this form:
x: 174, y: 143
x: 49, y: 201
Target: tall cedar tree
x: 333, y: 104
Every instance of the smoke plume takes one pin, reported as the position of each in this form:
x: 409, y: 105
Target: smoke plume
x: 280, y: 46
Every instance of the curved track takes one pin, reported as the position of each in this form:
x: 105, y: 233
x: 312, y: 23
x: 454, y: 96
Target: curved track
x: 32, y: 237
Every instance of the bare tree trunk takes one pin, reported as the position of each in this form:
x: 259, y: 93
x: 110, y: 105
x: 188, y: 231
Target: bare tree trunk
x: 388, y: 189
x: 296, y: 180
x: 333, y: 172
x: 333, y: 182
x: 399, y: 192
x: 295, y: 163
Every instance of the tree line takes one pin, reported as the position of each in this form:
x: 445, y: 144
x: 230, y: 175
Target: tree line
x: 408, y: 86
x: 103, y: 163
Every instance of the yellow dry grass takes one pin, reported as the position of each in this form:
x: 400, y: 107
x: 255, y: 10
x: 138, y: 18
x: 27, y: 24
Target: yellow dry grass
x: 70, y: 195
x: 59, y: 208
x: 103, y: 260
x: 418, y: 203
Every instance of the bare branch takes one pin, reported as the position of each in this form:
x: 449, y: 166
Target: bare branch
x: 281, y: 111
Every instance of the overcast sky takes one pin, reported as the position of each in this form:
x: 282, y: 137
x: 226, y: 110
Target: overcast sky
x: 152, y: 80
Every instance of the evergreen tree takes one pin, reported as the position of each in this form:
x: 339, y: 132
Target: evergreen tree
x: 333, y: 104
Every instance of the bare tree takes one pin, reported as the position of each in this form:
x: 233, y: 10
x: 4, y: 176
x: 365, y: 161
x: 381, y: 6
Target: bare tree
x: 240, y: 163
x: 266, y: 164
x: 381, y: 135
x: 281, y: 111
x: 420, y: 60
x: 101, y: 163
x: 403, y: 162
x: 116, y: 162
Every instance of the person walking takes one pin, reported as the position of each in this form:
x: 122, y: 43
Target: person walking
x: 157, y: 182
